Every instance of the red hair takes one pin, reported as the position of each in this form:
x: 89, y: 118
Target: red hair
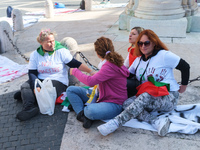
x: 153, y: 38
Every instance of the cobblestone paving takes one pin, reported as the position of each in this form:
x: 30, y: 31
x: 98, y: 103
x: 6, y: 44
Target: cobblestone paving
x: 42, y: 132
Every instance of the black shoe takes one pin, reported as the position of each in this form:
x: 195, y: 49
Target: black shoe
x: 80, y: 117
x: 27, y: 114
x: 70, y: 107
x: 87, y: 123
x: 17, y: 95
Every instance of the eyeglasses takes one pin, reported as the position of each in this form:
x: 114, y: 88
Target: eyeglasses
x: 146, y: 43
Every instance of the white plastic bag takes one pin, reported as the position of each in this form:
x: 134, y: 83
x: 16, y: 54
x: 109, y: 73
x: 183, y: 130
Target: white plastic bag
x: 46, y: 97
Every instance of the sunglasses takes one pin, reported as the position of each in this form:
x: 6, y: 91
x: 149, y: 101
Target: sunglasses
x: 146, y: 43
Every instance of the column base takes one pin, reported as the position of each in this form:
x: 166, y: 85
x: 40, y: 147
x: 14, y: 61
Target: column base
x: 163, y: 28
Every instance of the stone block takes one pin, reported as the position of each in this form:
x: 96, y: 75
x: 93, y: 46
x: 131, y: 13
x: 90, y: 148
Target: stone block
x: 195, y: 25
x: 163, y: 28
x: 88, y: 5
x: 17, y: 20
x: 123, y: 21
x: 6, y: 35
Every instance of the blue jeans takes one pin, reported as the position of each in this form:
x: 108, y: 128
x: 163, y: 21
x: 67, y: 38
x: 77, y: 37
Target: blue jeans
x: 95, y: 111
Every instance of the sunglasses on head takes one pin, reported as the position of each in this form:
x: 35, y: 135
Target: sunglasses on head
x: 146, y: 43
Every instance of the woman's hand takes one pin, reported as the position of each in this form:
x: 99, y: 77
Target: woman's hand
x: 92, y: 73
x: 38, y: 89
x: 70, y: 71
x: 182, y: 88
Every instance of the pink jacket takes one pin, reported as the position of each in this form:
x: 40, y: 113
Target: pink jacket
x: 112, y: 82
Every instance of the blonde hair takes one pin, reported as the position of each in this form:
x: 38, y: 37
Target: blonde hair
x: 105, y: 49
x: 43, y: 34
x: 138, y: 29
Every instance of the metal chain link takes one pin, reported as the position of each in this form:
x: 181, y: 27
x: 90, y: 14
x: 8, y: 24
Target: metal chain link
x: 15, y: 47
x: 81, y: 54
x: 196, y: 79
x: 96, y: 69
x: 192, y: 80
x: 86, y: 61
x: 14, y: 17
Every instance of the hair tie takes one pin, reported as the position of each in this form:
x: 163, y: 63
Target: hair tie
x: 44, y: 31
x: 107, y: 52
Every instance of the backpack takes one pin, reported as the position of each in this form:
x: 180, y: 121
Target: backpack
x: 9, y: 11
x: 82, y: 5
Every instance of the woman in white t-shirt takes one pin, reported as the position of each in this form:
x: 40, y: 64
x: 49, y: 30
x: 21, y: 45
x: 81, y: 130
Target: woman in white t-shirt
x: 153, y: 69
x: 50, y: 60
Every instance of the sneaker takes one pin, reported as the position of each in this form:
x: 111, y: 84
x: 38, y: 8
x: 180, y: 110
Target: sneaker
x: 108, y: 127
x: 162, y: 126
x: 27, y: 114
x: 108, y: 2
x: 103, y: 2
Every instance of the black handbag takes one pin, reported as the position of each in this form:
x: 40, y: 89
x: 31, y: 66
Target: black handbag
x: 133, y: 83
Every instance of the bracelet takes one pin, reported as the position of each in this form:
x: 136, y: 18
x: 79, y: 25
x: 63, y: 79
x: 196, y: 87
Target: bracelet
x: 91, y: 72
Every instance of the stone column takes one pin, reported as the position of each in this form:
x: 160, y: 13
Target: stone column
x: 88, y: 5
x: 164, y: 17
x: 159, y: 9
x: 72, y: 45
x: 18, y: 24
x: 190, y: 5
x: 168, y: 18
x: 5, y: 31
x: 49, y: 9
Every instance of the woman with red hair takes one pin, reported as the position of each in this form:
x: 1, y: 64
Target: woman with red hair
x: 154, y: 67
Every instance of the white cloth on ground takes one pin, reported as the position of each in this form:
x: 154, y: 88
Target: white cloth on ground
x: 10, y: 70
x: 184, y: 119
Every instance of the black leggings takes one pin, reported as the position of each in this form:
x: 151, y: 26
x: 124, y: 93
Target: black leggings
x: 28, y: 96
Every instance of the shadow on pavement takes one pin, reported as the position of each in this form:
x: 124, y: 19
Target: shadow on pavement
x: 41, y: 132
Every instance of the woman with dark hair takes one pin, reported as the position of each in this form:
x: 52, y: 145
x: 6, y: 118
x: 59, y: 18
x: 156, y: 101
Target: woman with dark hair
x: 157, y: 63
x: 111, y: 79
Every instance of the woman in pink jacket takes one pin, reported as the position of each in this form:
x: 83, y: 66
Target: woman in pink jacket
x: 112, y: 86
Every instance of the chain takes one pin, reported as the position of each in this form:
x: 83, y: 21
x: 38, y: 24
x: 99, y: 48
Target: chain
x: 86, y: 61
x: 81, y: 54
x: 14, y: 16
x: 15, y: 47
x: 196, y: 79
x: 192, y: 80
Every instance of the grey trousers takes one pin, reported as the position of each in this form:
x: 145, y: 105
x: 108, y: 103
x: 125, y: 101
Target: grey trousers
x: 141, y: 107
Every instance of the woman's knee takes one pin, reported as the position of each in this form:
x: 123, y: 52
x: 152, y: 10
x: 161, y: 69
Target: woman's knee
x: 71, y: 89
x: 89, y: 112
x: 25, y: 85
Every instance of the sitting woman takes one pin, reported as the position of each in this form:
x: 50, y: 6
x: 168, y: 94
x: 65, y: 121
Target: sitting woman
x: 112, y: 86
x: 131, y: 84
x: 48, y: 61
x: 155, y: 61
x: 132, y: 39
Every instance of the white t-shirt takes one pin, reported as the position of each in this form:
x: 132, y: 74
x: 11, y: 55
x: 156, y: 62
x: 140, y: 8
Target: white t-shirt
x: 52, y: 66
x: 126, y: 61
x: 160, y: 67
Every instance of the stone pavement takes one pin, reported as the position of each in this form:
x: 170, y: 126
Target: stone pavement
x: 62, y: 130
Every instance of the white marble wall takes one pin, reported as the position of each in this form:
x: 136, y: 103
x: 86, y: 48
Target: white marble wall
x: 159, y: 9
x: 169, y: 18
